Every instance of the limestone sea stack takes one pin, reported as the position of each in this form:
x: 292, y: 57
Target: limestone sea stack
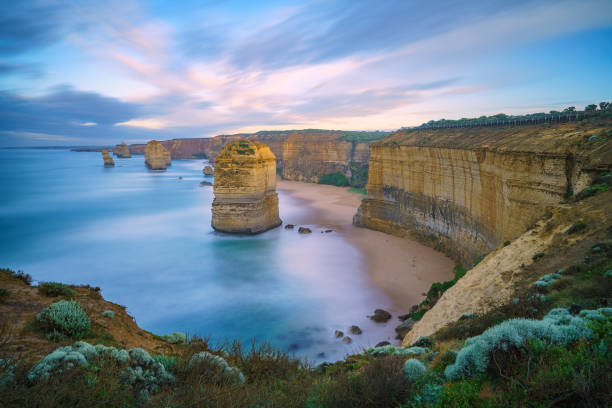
x: 156, y: 156
x: 108, y: 161
x: 245, y: 189
x: 122, y: 151
x: 208, y: 171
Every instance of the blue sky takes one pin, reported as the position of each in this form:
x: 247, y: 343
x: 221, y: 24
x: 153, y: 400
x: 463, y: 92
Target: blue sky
x: 90, y: 73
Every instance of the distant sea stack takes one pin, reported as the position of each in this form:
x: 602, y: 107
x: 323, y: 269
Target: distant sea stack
x: 122, y: 151
x: 245, y: 189
x: 108, y: 161
x: 156, y: 156
x: 208, y: 171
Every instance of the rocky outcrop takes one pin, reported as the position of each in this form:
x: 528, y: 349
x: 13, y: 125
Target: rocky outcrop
x: 208, y: 171
x: 108, y: 161
x: 466, y: 191
x: 122, y: 151
x: 245, y: 189
x: 156, y: 156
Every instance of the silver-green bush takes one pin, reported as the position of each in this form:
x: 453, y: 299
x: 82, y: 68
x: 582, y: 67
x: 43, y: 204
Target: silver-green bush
x: 65, y: 316
x: 413, y: 369
x: 216, y: 368
x: 176, y: 337
x: 108, y: 314
x: 558, y: 327
x: 389, y: 350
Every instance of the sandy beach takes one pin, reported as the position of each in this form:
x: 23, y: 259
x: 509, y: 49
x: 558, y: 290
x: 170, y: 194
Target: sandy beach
x: 402, y: 268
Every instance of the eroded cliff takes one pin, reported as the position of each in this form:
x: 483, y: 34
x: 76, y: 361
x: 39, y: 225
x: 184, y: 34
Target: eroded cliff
x: 156, y: 156
x: 466, y: 191
x: 245, y: 189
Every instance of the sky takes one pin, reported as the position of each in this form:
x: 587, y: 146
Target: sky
x: 98, y: 73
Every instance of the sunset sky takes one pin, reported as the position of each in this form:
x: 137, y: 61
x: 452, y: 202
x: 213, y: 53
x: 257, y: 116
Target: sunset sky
x: 91, y: 73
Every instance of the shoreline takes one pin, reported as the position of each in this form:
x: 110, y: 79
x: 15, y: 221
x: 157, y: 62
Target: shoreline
x: 401, y: 268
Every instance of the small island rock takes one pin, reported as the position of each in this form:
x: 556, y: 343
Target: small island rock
x: 108, y: 161
x: 355, y: 330
x: 122, y: 151
x: 156, y: 156
x: 380, y: 316
x: 208, y: 171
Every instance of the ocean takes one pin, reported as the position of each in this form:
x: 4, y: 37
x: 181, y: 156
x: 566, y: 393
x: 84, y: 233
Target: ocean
x: 145, y: 238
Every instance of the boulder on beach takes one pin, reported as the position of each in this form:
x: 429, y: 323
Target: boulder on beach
x: 380, y: 316
x: 208, y: 171
x: 156, y: 156
x: 108, y: 161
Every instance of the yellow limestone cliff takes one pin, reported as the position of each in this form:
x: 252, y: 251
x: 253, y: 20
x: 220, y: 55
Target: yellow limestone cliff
x: 245, y: 189
x: 122, y: 151
x: 156, y: 156
x: 108, y: 161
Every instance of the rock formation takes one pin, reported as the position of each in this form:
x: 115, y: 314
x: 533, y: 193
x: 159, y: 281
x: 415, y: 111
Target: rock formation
x: 156, y: 156
x: 108, y: 161
x: 208, y: 171
x: 466, y: 191
x: 245, y: 189
x: 122, y: 151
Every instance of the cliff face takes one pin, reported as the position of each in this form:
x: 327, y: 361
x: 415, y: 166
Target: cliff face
x: 466, y: 191
x: 122, y: 151
x: 301, y: 155
x: 108, y: 161
x: 245, y: 189
x: 156, y: 156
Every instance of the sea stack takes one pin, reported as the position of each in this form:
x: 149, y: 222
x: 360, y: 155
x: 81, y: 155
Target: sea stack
x: 208, y: 171
x: 156, y: 156
x: 245, y: 189
x: 108, y: 161
x: 122, y: 151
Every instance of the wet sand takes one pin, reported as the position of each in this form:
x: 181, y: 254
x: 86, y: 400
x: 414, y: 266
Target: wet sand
x: 403, y: 269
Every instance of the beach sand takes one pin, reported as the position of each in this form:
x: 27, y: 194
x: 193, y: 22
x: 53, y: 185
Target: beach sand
x: 403, y: 269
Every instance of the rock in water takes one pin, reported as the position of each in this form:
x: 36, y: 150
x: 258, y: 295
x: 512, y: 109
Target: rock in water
x: 208, y: 171
x: 380, y: 316
x: 156, y: 156
x: 304, y: 230
x: 245, y: 189
x: 108, y: 161
x: 122, y: 151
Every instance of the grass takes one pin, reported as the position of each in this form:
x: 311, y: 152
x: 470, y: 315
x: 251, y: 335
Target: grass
x: 334, y: 179
x: 435, y: 292
x: 357, y: 190
x: 53, y: 289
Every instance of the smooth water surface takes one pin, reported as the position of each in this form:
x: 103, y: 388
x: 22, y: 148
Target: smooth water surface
x: 145, y: 238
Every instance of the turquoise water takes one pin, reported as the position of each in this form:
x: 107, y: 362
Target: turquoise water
x: 145, y: 238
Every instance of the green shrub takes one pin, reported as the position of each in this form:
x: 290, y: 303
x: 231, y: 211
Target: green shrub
x: 578, y: 226
x: 53, y: 289
x: 3, y: 294
x: 216, y: 369
x: 413, y: 369
x: 461, y: 394
x: 175, y: 338
x: 537, y: 256
x: 108, y: 314
x: 390, y: 350
x: 24, y: 277
x: 334, y: 179
x: 558, y: 327
x: 66, y: 317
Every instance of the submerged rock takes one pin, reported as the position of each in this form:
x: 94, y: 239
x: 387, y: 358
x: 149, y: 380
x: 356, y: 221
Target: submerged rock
x: 108, y: 161
x: 205, y: 183
x: 122, y: 151
x: 156, y: 156
x: 289, y: 226
x: 208, y: 171
x: 304, y: 230
x: 245, y: 189
x: 380, y: 316
x: 347, y: 340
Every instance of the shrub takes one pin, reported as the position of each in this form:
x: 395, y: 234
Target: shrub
x: 579, y: 226
x: 558, y: 327
x: 175, y: 338
x: 215, y: 369
x: 413, y: 369
x: 390, y: 350
x: 66, y: 317
x: 537, y: 256
x: 334, y: 179
x: 3, y: 294
x: 24, y: 277
x: 108, y: 314
x: 53, y: 289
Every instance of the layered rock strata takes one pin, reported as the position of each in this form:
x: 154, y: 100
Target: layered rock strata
x: 122, y: 151
x: 156, y: 156
x: 466, y: 191
x: 245, y: 189
x: 108, y: 160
